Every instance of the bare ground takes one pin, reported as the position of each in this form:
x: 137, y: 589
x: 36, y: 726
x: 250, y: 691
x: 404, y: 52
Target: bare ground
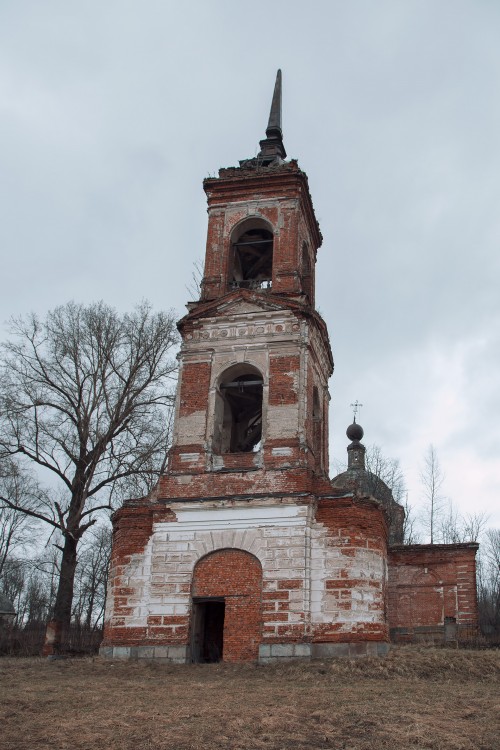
x: 415, y: 698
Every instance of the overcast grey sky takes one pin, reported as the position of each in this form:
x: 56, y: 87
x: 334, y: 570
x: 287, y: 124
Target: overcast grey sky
x: 112, y: 113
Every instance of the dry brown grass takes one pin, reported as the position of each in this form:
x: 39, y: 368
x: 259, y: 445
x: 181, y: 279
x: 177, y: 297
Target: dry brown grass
x: 415, y: 698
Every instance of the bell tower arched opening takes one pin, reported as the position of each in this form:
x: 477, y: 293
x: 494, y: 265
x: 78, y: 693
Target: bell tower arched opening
x: 317, y: 428
x: 252, y: 255
x: 238, y: 411
x: 307, y: 274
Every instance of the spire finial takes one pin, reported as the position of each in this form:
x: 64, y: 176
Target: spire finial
x: 356, y: 406
x: 272, y: 148
x: 355, y: 432
x: 274, y: 123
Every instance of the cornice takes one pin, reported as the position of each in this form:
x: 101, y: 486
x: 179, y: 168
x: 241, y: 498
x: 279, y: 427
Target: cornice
x: 264, y: 182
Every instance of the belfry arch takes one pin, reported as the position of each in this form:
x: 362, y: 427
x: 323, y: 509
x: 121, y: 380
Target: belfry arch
x: 251, y: 259
x: 238, y: 410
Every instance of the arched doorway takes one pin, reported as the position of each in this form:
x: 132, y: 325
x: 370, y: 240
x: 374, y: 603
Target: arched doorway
x: 226, y: 617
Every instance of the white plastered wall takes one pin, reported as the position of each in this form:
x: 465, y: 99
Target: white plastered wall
x: 274, y: 533
x: 289, y: 544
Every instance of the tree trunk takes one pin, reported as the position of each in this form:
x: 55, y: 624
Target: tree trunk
x: 58, y: 627
x: 90, y: 607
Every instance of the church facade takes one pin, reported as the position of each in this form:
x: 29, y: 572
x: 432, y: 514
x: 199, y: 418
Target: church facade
x: 246, y: 550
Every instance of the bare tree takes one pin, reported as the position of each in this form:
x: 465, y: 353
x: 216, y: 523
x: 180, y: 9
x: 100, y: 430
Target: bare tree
x: 13, y: 582
x: 489, y: 584
x: 30, y: 584
x: 410, y: 532
x: 387, y: 471
x: 92, y: 577
x: 16, y: 529
x: 473, y: 525
x: 449, y: 524
x: 432, y: 478
x: 455, y: 528
x: 194, y: 286
x: 84, y: 396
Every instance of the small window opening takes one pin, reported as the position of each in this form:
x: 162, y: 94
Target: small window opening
x: 253, y: 260
x: 317, y: 426
x: 307, y: 277
x: 238, y: 416
x: 316, y: 405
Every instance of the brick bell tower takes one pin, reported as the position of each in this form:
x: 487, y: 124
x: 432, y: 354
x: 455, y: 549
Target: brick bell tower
x: 245, y: 550
x: 255, y: 359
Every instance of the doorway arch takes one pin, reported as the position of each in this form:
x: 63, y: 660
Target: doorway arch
x: 226, y: 605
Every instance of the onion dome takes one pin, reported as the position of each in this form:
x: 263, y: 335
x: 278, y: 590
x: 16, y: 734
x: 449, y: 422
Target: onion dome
x: 355, y: 431
x: 363, y: 481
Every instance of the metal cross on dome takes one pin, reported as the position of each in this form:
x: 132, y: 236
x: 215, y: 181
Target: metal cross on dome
x: 356, y: 407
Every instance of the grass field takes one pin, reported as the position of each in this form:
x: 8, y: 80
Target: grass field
x: 414, y: 698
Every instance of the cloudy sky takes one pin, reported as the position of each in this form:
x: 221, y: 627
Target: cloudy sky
x: 113, y: 112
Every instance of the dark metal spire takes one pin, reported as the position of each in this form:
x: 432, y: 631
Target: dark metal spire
x: 274, y: 123
x: 272, y: 148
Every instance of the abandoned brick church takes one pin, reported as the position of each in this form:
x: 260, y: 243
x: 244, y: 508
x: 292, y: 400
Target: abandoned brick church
x: 246, y: 549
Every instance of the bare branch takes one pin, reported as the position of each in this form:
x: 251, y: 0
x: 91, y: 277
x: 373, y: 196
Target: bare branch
x: 432, y: 478
x: 29, y: 512
x: 85, y: 395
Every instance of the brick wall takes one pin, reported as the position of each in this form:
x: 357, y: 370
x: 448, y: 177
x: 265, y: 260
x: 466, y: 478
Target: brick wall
x: 321, y: 573
x: 194, y: 384
x: 285, y: 349
x: 349, y: 571
x: 132, y: 529
x: 150, y: 592
x: 297, y: 563
x: 430, y: 585
x: 284, y: 380
x: 280, y: 196
x: 237, y: 577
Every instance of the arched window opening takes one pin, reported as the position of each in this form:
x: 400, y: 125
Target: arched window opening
x: 317, y: 426
x: 252, y: 261
x: 307, y: 278
x: 238, y: 412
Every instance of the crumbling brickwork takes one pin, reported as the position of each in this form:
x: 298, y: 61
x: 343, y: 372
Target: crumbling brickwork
x: 354, y: 596
x: 245, y: 550
x: 236, y: 577
x: 432, y: 592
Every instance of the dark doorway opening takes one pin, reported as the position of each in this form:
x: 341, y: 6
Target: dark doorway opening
x: 207, y: 640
